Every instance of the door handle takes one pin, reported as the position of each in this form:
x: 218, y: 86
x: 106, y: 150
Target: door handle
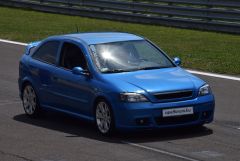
x: 44, y: 85
x: 55, y: 78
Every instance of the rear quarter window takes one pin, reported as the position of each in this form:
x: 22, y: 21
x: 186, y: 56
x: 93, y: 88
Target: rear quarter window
x: 31, y: 51
x: 47, y: 52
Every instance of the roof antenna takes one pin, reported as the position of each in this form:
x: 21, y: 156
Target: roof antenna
x: 77, y: 28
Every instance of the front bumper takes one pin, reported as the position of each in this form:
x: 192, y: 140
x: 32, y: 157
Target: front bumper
x: 149, y: 115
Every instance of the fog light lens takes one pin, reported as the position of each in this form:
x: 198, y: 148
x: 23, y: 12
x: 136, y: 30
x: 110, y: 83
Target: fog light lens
x: 142, y: 121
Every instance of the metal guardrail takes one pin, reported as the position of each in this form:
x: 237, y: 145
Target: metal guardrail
x: 215, y: 15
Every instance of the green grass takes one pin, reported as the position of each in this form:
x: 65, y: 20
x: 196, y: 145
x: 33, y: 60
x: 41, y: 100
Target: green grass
x: 206, y: 51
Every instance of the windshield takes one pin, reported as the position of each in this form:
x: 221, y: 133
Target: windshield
x: 128, y: 56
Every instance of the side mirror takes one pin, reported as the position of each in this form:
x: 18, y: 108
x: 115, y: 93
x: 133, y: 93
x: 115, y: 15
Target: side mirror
x: 177, y: 61
x: 80, y: 71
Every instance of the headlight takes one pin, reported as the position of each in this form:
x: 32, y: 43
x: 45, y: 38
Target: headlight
x: 204, y: 90
x: 133, y: 97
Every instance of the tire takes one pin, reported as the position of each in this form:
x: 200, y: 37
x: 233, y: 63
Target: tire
x: 30, y: 101
x: 104, y: 120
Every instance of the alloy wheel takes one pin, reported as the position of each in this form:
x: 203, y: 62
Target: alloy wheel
x: 103, y: 117
x: 29, y: 100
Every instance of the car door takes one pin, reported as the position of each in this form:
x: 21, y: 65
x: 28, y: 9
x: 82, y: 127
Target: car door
x: 74, y: 92
x: 42, y: 67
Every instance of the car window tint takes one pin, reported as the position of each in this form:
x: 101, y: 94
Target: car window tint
x: 72, y: 56
x: 47, y: 52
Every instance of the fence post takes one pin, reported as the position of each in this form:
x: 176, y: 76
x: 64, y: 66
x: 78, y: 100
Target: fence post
x: 208, y: 6
x: 69, y: 3
x: 133, y: 6
x: 170, y: 4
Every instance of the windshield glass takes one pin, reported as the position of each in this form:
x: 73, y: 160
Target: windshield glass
x: 128, y: 56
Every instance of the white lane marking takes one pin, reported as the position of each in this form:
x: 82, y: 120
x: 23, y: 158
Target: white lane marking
x: 13, y: 42
x: 238, y: 128
x: 208, y: 154
x: 9, y: 103
x: 160, y: 151
x: 191, y: 71
x: 214, y: 75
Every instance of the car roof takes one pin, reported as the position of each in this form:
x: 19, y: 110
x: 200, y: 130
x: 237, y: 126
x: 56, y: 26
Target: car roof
x: 103, y: 37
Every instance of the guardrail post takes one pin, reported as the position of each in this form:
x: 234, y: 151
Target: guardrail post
x: 208, y: 6
x: 133, y: 6
x: 170, y: 4
x: 69, y: 3
x: 81, y: 2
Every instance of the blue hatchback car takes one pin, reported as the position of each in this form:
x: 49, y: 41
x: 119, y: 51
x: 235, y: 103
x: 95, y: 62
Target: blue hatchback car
x: 117, y: 80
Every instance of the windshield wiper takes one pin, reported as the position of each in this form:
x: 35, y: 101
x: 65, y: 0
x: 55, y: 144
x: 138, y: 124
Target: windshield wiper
x: 149, y: 68
x: 115, y: 71
x: 129, y: 70
x: 156, y: 67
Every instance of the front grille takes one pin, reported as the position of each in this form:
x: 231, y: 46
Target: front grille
x: 174, y: 95
x: 176, y: 119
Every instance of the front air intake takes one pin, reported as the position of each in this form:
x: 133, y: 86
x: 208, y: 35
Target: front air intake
x: 174, y: 95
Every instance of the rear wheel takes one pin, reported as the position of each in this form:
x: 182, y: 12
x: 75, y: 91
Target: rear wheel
x: 30, y: 101
x: 104, y: 118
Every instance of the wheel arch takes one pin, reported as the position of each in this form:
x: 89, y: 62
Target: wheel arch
x: 97, y: 99
x: 23, y: 84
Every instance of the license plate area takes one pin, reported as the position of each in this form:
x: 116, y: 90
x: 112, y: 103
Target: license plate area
x: 172, y: 112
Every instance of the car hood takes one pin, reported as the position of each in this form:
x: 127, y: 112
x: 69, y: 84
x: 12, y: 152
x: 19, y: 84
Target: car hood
x: 159, y: 80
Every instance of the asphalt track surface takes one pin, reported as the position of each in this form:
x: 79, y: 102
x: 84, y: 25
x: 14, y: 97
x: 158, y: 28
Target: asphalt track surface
x: 58, y: 137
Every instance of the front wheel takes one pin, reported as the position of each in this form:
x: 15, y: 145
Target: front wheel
x: 104, y: 118
x: 30, y: 101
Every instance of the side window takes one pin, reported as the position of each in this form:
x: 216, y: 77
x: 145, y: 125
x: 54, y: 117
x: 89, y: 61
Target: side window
x: 72, y: 56
x: 47, y: 52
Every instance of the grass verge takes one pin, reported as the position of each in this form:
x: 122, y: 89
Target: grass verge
x: 200, y: 50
